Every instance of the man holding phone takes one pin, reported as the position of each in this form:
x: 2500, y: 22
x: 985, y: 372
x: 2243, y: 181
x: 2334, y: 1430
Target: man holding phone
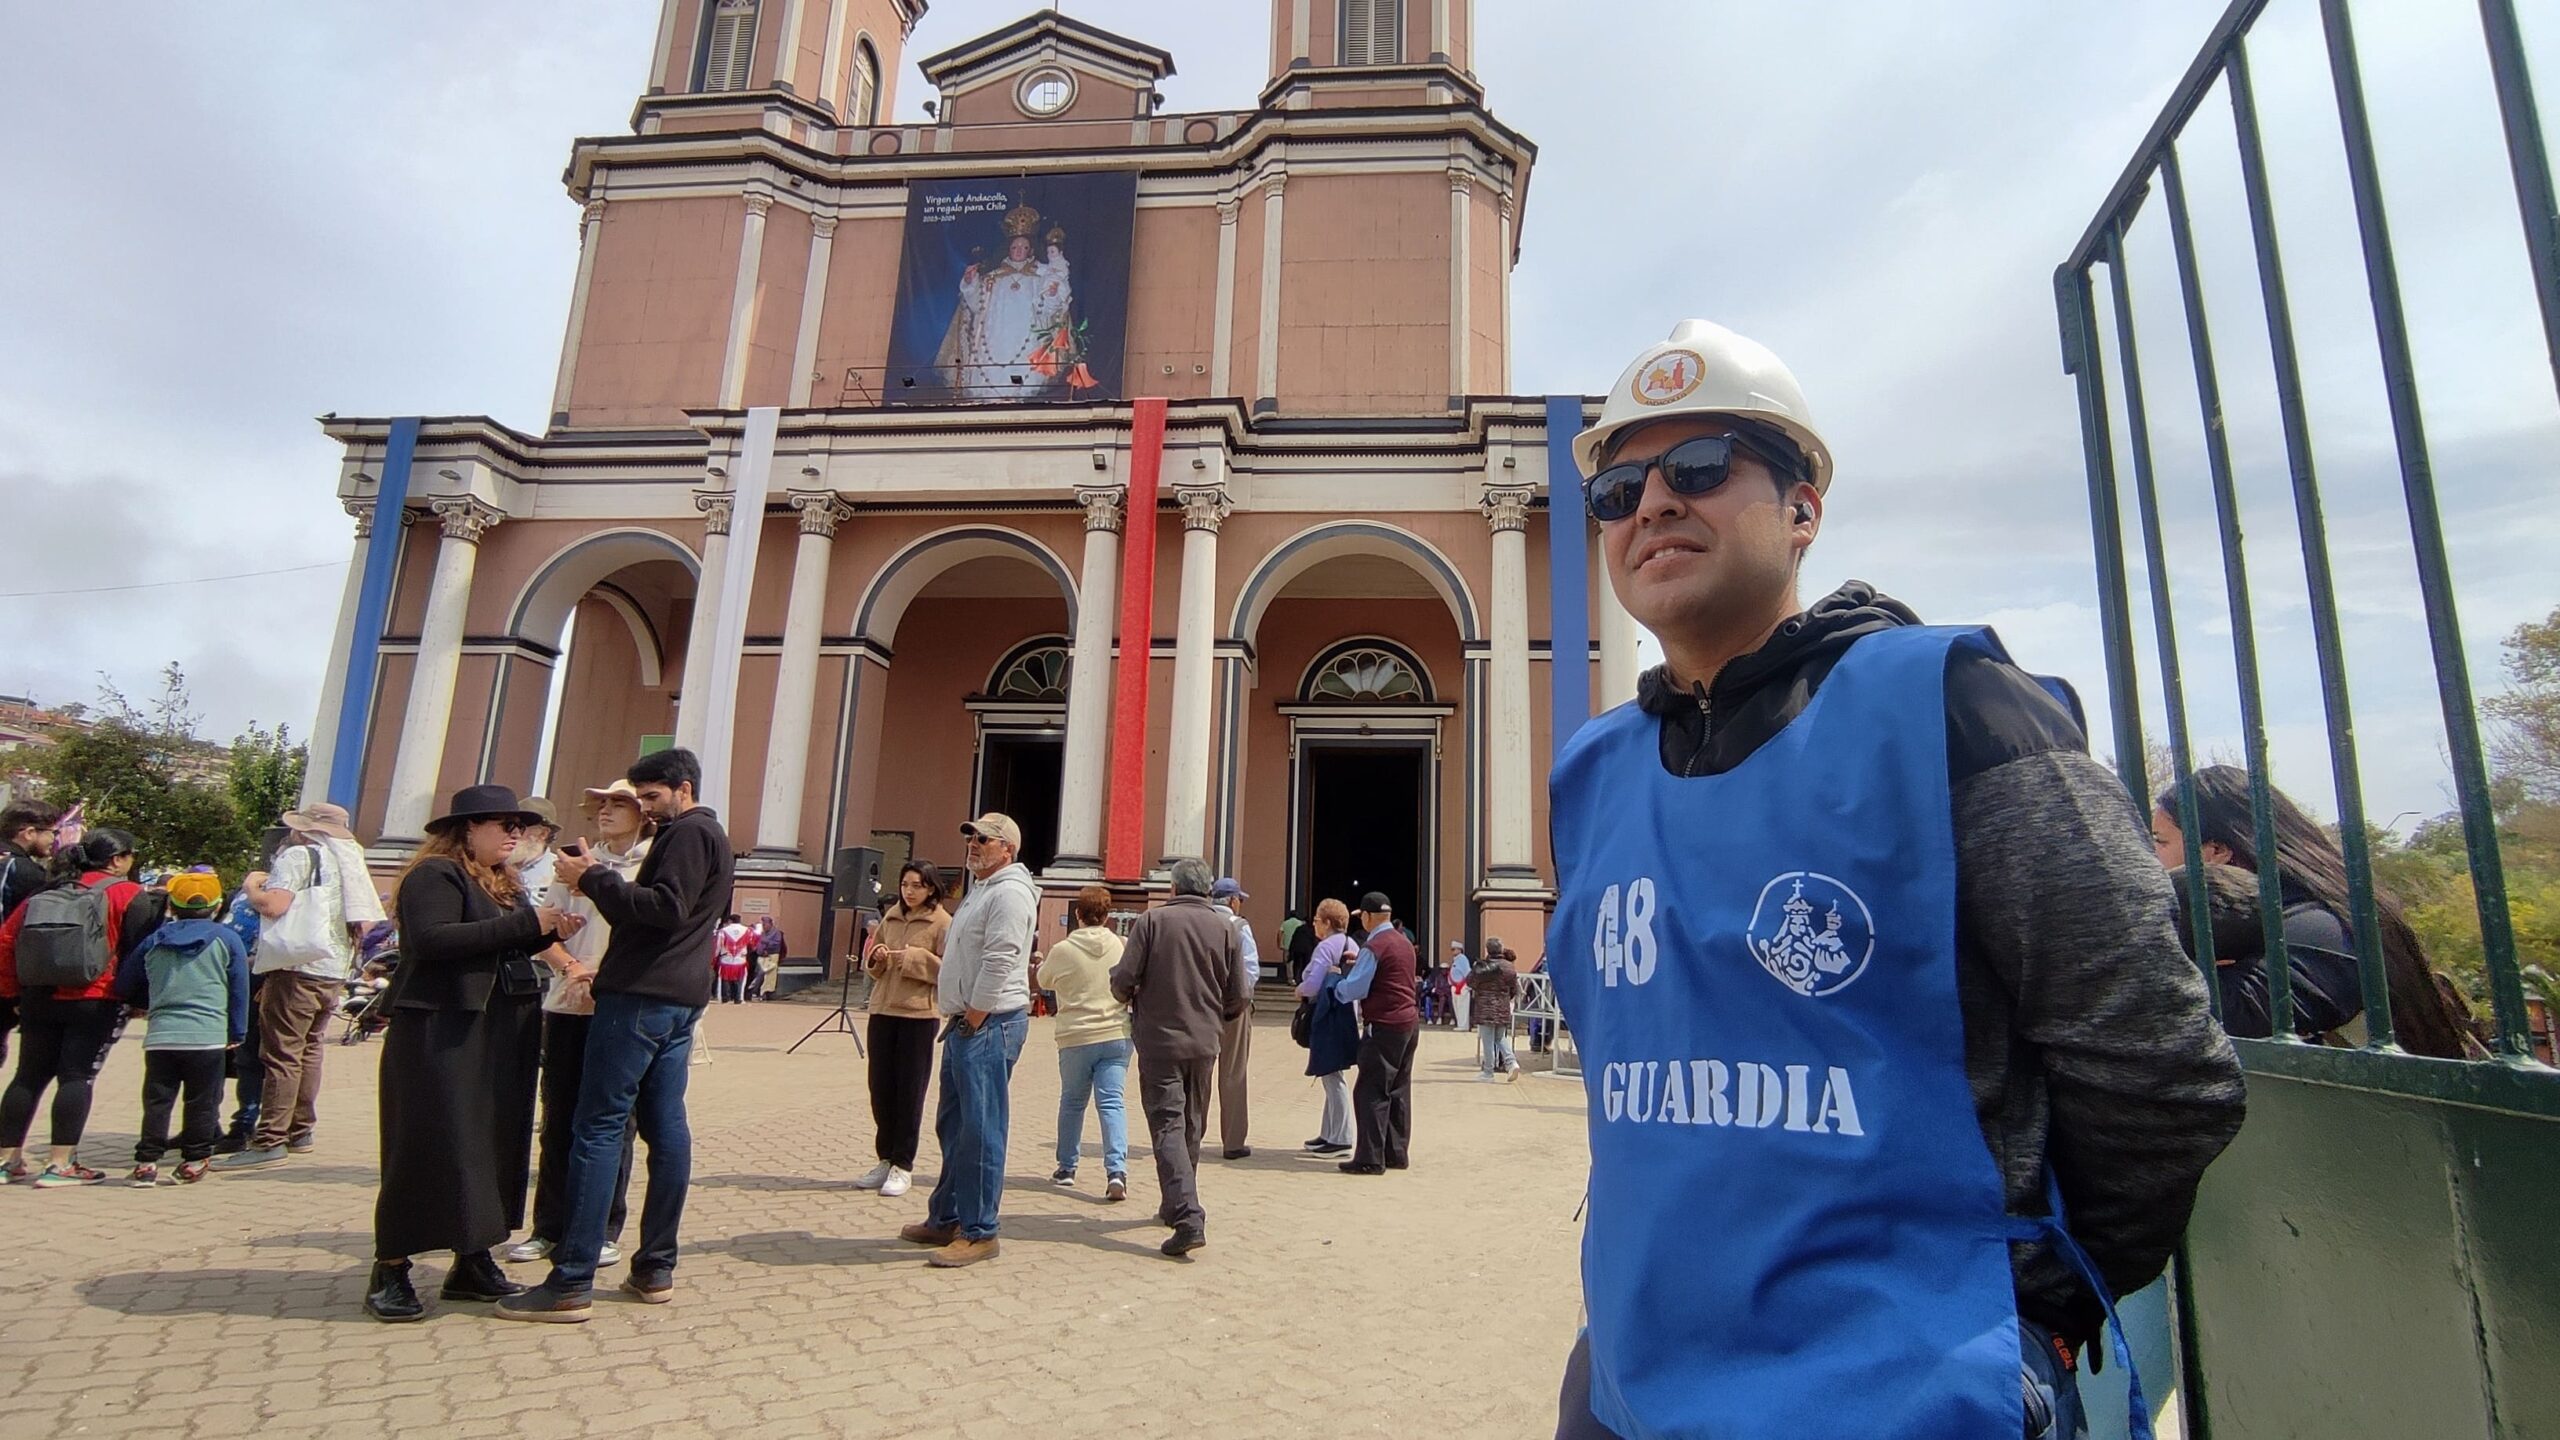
x: 984, y: 995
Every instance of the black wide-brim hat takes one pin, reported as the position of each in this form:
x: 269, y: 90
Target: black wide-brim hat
x: 482, y: 802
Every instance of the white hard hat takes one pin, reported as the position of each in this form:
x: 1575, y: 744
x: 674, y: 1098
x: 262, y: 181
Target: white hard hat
x: 1705, y: 369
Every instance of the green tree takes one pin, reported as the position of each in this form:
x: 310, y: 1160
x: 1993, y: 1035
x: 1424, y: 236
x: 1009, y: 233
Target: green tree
x: 2524, y: 722
x: 264, y: 772
x: 123, y: 776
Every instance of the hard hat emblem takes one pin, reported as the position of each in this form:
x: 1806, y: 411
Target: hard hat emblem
x: 1670, y: 376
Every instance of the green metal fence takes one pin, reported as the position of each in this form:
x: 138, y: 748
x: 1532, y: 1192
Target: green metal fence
x: 2380, y: 1252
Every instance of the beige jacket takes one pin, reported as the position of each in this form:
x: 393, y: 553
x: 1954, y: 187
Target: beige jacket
x: 908, y: 963
x: 1079, y: 969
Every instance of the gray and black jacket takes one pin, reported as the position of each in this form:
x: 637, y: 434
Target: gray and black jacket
x: 2088, y: 1042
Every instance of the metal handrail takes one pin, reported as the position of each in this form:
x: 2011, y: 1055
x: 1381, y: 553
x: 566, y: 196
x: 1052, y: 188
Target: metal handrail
x: 2223, y: 62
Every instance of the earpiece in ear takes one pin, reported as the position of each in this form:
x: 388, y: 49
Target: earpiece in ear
x: 1804, y: 512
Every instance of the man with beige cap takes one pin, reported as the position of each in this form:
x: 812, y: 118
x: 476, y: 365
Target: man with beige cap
x: 315, y: 903
x: 984, y: 994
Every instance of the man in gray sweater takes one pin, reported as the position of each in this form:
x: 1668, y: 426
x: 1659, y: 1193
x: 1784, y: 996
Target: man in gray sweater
x: 1182, y: 976
x: 985, y: 999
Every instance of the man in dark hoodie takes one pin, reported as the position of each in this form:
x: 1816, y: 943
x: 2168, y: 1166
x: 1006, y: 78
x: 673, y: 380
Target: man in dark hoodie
x: 650, y: 989
x: 1870, y: 1020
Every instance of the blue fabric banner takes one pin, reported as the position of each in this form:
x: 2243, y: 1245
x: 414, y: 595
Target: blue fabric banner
x: 1568, y: 575
x: 373, y: 603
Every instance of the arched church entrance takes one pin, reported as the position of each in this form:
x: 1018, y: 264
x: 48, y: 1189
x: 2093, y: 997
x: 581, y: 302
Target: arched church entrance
x: 611, y: 610
x: 964, y: 638
x: 1362, y: 634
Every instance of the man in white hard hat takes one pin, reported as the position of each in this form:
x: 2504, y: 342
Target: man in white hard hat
x: 1882, y: 990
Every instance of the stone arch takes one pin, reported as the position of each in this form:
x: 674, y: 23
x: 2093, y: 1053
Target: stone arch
x: 906, y: 574
x: 1313, y: 546
x: 542, y: 608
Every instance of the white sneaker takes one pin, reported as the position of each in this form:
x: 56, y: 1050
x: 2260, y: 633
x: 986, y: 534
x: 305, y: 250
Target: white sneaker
x: 898, y: 1182
x: 611, y: 1254
x: 528, y: 1252
x: 875, y: 1177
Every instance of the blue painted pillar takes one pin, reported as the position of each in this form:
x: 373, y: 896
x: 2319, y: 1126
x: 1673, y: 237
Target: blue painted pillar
x: 1568, y: 576
x: 373, y: 603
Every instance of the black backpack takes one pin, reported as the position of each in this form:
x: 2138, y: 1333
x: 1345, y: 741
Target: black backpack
x: 62, y: 938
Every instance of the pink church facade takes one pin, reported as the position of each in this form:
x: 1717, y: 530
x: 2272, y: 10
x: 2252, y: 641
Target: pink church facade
x: 789, y: 511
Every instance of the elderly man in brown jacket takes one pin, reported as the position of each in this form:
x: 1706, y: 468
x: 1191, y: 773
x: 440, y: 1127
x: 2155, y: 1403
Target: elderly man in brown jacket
x: 1181, y: 976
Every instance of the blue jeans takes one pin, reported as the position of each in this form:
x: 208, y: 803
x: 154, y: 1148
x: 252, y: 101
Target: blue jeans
x: 2052, y: 1387
x: 637, y: 1054
x: 1101, y: 1070
x: 971, y: 1121
x: 1493, y: 1050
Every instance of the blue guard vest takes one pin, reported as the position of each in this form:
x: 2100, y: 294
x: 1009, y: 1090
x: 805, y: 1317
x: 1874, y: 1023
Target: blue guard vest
x: 1795, y: 1225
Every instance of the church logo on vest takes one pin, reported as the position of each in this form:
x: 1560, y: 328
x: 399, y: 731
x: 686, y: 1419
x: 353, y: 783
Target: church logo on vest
x: 1812, y: 932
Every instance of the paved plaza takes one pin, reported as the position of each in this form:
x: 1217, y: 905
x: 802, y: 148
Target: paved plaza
x: 1437, y: 1302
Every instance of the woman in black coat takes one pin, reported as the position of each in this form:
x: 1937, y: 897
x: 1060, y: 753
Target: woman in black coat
x: 460, y: 1064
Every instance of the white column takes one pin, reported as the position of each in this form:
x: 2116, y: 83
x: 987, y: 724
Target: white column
x: 795, y: 684
x: 1507, y: 850
x: 693, y: 697
x: 786, y: 65
x: 1186, y: 783
x: 423, y: 722
x: 666, y: 48
x: 831, y: 68
x: 320, y: 747
x: 1222, y: 329
x: 1298, y: 32
x: 1502, y: 262
x: 1439, y: 27
x: 813, y: 306
x: 1616, y: 631
x: 742, y: 302
x: 589, y: 228
x: 1089, y: 688
x: 1266, y: 373
x: 1462, y: 189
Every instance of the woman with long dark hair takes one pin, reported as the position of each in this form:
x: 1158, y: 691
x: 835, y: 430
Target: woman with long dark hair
x: 66, y: 1030
x: 459, y: 1065
x: 2312, y: 876
x: 904, y: 961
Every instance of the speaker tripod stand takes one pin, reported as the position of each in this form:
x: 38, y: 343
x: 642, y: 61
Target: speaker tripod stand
x: 840, y: 1018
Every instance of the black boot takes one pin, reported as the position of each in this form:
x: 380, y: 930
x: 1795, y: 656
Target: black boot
x: 389, y: 1297
x: 477, y: 1277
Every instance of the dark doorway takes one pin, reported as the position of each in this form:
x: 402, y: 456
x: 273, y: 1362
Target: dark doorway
x: 1018, y: 775
x: 1363, y: 827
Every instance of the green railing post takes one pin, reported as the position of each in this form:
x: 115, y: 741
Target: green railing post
x: 2426, y: 530
x: 2530, y: 164
x: 2173, y: 689
x: 2235, y: 576
x: 2327, y: 640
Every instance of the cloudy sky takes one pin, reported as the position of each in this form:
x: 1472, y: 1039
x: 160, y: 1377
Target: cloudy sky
x: 228, y: 219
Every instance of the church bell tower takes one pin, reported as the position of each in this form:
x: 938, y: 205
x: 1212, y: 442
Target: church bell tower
x: 1375, y: 41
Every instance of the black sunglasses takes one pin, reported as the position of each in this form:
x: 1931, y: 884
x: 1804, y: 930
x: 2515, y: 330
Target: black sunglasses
x: 1692, y: 467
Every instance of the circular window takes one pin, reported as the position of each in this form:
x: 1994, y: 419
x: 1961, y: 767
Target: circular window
x: 1046, y: 92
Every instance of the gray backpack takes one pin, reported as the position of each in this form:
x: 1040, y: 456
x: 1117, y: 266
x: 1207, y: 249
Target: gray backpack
x: 62, y: 938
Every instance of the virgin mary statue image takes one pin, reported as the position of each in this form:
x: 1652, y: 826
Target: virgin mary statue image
x: 1013, y: 337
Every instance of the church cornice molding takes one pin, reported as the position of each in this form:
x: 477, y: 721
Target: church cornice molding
x: 730, y: 159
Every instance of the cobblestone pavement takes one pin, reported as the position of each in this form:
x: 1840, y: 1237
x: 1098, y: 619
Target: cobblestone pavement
x: 1439, y: 1301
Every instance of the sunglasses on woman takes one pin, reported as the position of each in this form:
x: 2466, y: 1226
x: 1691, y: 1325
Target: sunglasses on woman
x: 1692, y: 467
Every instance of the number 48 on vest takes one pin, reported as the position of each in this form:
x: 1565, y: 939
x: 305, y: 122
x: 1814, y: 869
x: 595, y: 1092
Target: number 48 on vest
x: 1622, y: 942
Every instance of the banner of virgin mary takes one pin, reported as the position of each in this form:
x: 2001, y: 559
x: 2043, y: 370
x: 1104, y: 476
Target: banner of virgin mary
x: 1013, y: 289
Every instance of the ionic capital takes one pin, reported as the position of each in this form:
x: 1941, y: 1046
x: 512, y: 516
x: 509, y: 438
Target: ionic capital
x: 1104, y: 506
x: 758, y: 202
x: 360, y: 511
x: 1274, y: 183
x: 823, y: 227
x: 1462, y: 181
x: 466, y: 517
x: 1506, y: 507
x: 592, y: 215
x: 820, y: 512
x: 714, y: 505
x: 1204, y: 507
x: 1228, y: 210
